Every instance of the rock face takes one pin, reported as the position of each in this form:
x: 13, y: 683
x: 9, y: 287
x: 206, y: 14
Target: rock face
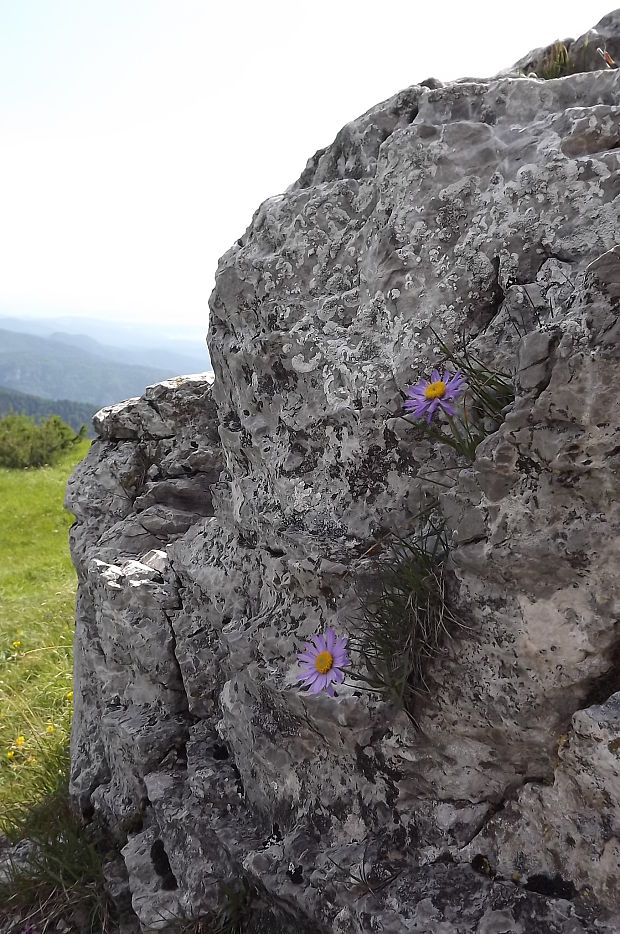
x: 220, y: 525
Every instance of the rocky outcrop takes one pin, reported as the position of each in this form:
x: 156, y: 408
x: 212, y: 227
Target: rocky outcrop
x: 221, y: 524
x: 587, y: 53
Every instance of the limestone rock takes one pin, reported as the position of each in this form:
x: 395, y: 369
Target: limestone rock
x: 220, y: 525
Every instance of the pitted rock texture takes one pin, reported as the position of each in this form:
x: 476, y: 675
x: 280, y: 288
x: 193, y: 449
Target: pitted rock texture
x: 218, y: 526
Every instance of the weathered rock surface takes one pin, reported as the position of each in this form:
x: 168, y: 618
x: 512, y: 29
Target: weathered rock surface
x: 218, y: 525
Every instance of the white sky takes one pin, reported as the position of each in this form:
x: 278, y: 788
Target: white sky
x: 137, y: 137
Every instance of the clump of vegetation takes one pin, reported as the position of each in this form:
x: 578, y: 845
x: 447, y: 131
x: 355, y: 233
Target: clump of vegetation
x: 24, y: 442
x: 557, y: 63
x: 235, y: 907
x: 483, y: 393
x: 58, y: 875
x: 405, y: 623
x: 368, y: 877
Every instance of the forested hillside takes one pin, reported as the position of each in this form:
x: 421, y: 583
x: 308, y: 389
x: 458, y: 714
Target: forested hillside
x: 45, y: 367
x: 75, y: 414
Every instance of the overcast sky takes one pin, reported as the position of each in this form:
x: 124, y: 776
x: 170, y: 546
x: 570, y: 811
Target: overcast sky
x: 137, y: 137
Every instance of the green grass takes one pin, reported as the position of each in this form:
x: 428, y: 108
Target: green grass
x: 406, y: 616
x: 62, y: 875
x: 37, y: 594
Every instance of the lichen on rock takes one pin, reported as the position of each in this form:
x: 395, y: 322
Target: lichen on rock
x: 220, y: 524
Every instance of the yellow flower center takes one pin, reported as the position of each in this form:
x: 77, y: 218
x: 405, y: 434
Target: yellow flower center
x: 435, y: 390
x: 323, y: 662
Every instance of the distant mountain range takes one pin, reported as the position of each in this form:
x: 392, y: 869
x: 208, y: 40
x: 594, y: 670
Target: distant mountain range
x: 75, y: 414
x: 77, y: 367
x: 141, y: 345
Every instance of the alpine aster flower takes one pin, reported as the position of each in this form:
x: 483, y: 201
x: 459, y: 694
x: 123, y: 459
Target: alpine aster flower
x: 426, y: 396
x: 323, y: 661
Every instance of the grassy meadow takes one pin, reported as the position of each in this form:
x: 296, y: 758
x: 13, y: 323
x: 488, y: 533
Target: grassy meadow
x: 62, y: 876
x: 37, y: 594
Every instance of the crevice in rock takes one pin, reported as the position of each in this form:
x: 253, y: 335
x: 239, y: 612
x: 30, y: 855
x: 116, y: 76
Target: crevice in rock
x: 551, y: 886
x: 161, y: 865
x: 509, y: 795
x: 608, y: 683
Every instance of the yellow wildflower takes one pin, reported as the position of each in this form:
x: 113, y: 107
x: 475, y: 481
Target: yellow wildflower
x: 16, y: 644
x: 20, y: 740
x: 49, y: 728
x: 69, y: 695
x: 10, y: 753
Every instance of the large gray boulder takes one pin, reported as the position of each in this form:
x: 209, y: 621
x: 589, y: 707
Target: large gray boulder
x: 221, y: 524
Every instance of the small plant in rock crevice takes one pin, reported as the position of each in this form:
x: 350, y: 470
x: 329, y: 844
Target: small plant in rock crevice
x: 406, y: 616
x: 480, y: 393
x: 557, y: 63
x: 367, y: 878
x: 236, y: 901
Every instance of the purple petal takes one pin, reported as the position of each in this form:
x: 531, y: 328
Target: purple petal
x: 431, y: 409
x: 447, y: 408
x: 307, y: 677
x: 330, y: 639
x: 455, y: 384
x: 320, y: 643
x: 417, y: 408
x: 412, y: 403
x: 320, y: 683
x: 435, y: 377
x: 337, y: 675
x: 417, y: 390
x: 330, y: 690
x: 307, y: 656
x: 311, y: 677
x: 307, y: 670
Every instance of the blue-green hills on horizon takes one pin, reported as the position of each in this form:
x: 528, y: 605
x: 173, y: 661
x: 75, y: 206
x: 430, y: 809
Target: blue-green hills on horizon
x: 73, y: 375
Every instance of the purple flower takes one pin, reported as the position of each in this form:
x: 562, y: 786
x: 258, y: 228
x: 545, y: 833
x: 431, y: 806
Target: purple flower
x: 29, y: 929
x: 426, y: 396
x: 323, y: 661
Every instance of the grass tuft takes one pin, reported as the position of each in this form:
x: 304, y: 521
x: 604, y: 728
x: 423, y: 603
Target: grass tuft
x: 557, y: 63
x: 235, y: 907
x: 407, y: 619
x: 58, y: 873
